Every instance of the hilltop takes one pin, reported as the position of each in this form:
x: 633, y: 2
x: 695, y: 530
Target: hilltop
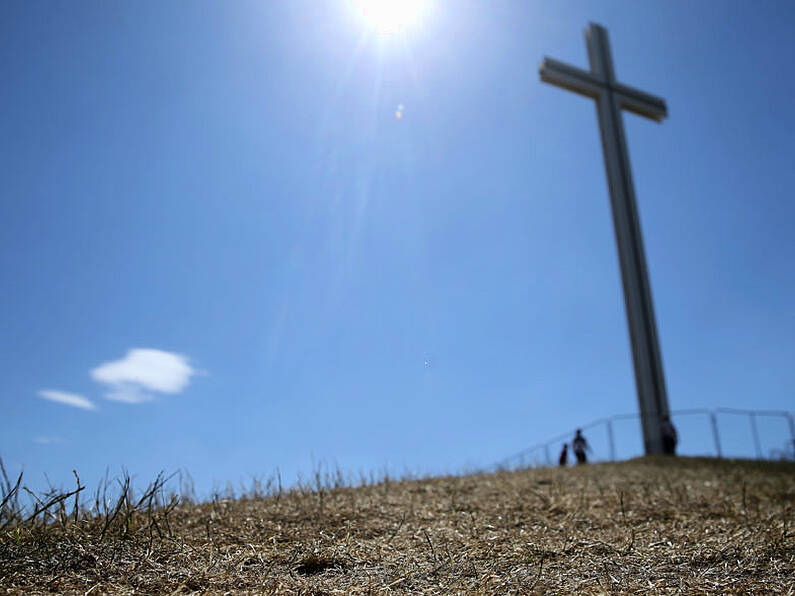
x: 648, y: 525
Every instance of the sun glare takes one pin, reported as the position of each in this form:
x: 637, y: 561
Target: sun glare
x: 391, y: 16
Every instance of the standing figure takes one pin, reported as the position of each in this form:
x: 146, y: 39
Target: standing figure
x: 669, y: 436
x: 579, y: 445
x: 564, y: 456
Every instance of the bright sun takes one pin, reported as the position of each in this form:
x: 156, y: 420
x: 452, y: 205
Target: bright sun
x: 391, y: 16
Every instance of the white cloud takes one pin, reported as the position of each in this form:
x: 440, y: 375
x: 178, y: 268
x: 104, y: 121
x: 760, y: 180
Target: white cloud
x: 142, y: 372
x: 128, y: 393
x: 69, y: 399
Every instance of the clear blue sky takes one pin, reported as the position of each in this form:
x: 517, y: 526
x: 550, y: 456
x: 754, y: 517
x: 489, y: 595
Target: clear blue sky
x: 222, y: 251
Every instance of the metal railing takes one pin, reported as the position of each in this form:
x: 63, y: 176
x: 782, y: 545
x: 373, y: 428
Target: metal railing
x: 539, y: 454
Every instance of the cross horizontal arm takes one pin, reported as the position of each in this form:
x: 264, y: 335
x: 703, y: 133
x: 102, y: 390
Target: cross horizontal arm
x: 586, y: 83
x: 640, y: 103
x: 570, y: 77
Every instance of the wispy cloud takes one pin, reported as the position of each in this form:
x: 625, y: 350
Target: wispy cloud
x: 143, y: 373
x: 47, y: 440
x: 69, y: 399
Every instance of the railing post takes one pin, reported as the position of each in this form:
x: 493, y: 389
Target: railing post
x: 791, y: 434
x: 755, y: 434
x: 715, y: 435
x: 610, y: 440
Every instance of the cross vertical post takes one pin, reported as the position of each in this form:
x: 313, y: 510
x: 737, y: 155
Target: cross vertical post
x: 611, y: 97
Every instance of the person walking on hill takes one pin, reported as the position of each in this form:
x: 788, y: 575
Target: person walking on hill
x: 669, y: 436
x: 564, y: 456
x: 579, y: 445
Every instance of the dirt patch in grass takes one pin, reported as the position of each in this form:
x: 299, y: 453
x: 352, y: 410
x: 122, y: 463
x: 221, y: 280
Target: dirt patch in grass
x: 651, y: 525
x: 314, y: 563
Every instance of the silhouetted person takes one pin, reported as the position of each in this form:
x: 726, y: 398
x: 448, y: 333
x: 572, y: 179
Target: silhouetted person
x: 579, y: 445
x: 669, y: 436
x: 564, y: 455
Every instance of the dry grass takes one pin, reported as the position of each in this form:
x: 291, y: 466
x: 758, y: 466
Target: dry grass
x: 643, y: 526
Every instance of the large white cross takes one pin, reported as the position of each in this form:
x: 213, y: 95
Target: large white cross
x: 611, y: 97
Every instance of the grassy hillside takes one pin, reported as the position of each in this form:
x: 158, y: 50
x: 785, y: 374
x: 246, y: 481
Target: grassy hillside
x: 648, y: 525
